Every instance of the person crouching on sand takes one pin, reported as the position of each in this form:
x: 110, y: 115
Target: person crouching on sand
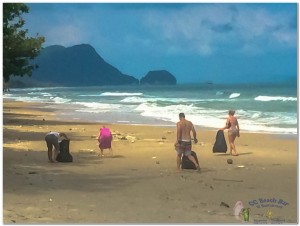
x: 183, y: 144
x: 233, y: 131
x: 52, y: 140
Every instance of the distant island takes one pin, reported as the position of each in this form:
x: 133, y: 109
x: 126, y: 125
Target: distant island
x: 81, y: 65
x: 161, y: 77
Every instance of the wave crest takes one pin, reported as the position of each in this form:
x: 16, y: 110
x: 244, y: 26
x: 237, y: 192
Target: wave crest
x: 275, y: 98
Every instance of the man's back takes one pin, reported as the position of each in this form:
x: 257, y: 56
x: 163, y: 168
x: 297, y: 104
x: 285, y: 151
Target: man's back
x: 184, y: 128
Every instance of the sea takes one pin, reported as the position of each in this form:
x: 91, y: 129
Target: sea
x: 260, y: 108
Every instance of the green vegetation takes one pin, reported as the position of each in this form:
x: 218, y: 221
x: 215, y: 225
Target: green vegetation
x: 18, y: 48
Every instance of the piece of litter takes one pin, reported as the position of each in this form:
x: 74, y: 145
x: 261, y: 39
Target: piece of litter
x: 154, y: 157
x: 241, y: 166
x: 238, y: 208
x: 224, y: 204
x: 50, y: 200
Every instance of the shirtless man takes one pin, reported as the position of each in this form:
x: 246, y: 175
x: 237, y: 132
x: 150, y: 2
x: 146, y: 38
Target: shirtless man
x: 184, y: 143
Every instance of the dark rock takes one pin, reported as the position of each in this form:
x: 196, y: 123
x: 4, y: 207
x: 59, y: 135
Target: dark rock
x: 161, y: 77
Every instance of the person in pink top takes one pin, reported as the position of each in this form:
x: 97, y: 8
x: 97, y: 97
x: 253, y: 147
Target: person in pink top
x: 105, y: 139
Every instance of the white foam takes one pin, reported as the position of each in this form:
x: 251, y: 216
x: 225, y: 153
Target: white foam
x: 275, y: 98
x: 234, y: 95
x: 95, y: 107
x: 120, y: 94
x: 59, y: 100
x: 134, y: 100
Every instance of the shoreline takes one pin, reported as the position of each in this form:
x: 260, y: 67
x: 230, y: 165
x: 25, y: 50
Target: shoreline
x: 55, y: 109
x: 139, y: 184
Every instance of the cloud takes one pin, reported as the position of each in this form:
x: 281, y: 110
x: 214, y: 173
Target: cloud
x: 209, y: 28
x: 185, y: 29
x: 66, y: 35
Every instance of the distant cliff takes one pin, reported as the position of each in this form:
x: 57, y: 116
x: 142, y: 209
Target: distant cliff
x: 161, y: 77
x: 78, y: 65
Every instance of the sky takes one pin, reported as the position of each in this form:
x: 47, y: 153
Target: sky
x: 196, y: 42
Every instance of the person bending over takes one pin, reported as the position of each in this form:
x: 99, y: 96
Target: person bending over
x: 52, y: 139
x: 184, y: 141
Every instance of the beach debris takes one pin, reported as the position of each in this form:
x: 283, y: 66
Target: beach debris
x: 237, y: 209
x: 211, y: 212
x: 219, y: 179
x: 86, y: 150
x: 246, y: 212
x: 183, y: 178
x: 123, y: 138
x: 50, y: 200
x: 32, y: 172
x: 44, y: 119
x: 201, y: 143
x: 130, y: 138
x: 229, y: 161
x: 94, y: 137
x: 154, y: 157
x: 163, y: 138
x: 241, y: 166
x: 13, y: 221
x: 224, y: 204
x: 211, y: 187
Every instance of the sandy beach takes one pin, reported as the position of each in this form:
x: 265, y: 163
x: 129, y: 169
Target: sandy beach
x: 139, y: 183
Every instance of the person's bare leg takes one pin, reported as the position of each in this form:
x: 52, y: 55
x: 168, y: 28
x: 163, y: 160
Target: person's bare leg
x: 232, y: 146
x: 50, y: 154
x: 229, y: 139
x: 178, y: 162
x: 194, y: 161
x: 55, y: 154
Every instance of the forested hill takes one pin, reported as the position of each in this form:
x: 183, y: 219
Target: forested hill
x: 78, y: 65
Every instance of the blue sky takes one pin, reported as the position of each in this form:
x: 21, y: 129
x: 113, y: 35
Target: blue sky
x: 196, y: 42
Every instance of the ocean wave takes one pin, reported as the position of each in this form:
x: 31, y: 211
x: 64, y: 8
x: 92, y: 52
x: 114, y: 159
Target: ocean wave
x: 134, y: 100
x: 59, y: 100
x: 234, y: 95
x: 164, y: 100
x: 120, y: 94
x: 95, y: 107
x: 275, y: 98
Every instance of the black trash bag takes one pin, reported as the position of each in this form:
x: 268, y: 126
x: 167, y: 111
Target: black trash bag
x: 64, y: 155
x: 188, y: 164
x: 220, y: 145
